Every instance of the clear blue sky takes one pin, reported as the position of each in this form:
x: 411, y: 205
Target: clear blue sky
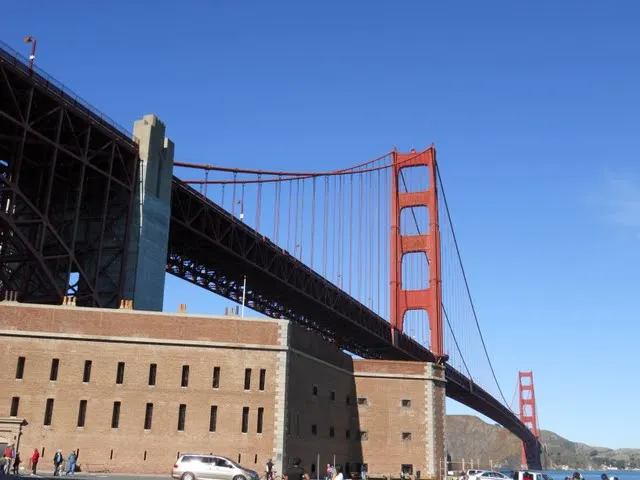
x: 533, y: 107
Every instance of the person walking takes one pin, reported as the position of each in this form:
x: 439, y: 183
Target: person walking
x: 16, y: 464
x: 9, y: 454
x: 71, y: 463
x: 296, y: 472
x: 34, y: 460
x: 57, y: 463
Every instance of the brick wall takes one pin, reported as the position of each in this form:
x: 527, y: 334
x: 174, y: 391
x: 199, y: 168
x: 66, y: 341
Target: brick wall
x: 307, y: 382
x: 123, y: 449
x: 399, y: 423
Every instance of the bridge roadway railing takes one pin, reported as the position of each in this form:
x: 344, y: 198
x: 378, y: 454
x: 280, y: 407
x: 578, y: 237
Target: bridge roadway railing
x: 45, y: 81
x: 213, y: 249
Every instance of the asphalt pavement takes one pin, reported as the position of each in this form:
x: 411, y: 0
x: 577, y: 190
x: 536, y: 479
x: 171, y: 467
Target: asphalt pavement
x: 85, y: 476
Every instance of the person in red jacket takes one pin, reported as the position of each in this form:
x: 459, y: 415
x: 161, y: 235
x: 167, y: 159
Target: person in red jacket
x: 34, y: 460
x: 9, y: 454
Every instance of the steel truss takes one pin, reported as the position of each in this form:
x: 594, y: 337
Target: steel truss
x: 213, y: 249
x: 67, y: 183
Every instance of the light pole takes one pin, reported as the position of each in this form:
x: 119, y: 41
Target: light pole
x: 241, y: 203
x: 32, y: 57
x: 244, y: 291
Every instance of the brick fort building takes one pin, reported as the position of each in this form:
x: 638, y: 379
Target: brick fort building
x: 131, y: 390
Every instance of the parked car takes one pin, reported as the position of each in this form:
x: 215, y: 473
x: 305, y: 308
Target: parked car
x: 210, y: 467
x: 488, y: 475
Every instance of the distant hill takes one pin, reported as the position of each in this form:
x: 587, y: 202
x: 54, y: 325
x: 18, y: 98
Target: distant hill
x: 469, y: 437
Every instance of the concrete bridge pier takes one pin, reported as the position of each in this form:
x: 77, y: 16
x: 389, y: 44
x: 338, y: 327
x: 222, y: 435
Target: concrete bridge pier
x: 151, y: 216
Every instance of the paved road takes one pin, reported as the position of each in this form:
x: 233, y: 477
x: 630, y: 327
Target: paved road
x: 86, y: 476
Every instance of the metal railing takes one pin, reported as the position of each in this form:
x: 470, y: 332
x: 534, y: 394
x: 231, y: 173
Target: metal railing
x: 46, y: 81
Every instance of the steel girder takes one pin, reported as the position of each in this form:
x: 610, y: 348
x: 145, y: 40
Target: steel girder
x: 67, y: 183
x: 213, y: 249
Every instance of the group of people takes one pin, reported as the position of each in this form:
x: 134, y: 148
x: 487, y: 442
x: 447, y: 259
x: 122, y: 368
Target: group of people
x: 58, y: 463
x: 10, y: 462
x: 297, y: 472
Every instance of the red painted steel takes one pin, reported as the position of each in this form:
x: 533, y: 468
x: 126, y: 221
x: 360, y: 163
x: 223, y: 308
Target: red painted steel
x: 528, y: 414
x: 430, y: 298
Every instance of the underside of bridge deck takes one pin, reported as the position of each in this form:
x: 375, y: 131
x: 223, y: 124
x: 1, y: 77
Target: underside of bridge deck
x: 66, y: 184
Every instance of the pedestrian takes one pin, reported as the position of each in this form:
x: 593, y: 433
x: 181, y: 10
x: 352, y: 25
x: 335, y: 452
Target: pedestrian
x: 16, y: 464
x: 9, y: 454
x: 34, y: 460
x: 57, y: 462
x: 71, y: 463
x: 338, y: 473
x: 296, y: 472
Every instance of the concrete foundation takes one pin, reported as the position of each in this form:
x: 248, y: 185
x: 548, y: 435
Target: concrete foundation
x: 145, y: 273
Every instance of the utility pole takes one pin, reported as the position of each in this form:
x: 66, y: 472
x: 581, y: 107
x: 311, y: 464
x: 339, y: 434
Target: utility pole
x: 244, y: 292
x: 32, y: 57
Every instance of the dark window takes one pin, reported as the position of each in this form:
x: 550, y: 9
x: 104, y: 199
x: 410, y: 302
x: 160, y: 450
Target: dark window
x: 348, y: 400
x: 313, y: 468
x: 406, y: 402
x: 148, y: 416
x: 263, y: 378
x: 182, y: 416
x: 185, y: 376
x: 288, y: 423
x: 347, y: 434
x: 53, y: 375
x: 120, y: 373
x: 332, y: 432
x: 247, y: 379
x: 86, y: 375
x: 260, y: 419
x: 115, y: 415
x: 333, y: 396
x: 314, y: 429
x: 245, y: 419
x: 48, y: 412
x: 82, y: 412
x: 406, y: 436
x: 407, y: 468
x: 213, y: 418
x: 364, y: 436
x: 314, y: 391
x: 15, y: 405
x: 363, y: 401
x: 216, y: 377
x: 153, y: 369
x: 20, y: 368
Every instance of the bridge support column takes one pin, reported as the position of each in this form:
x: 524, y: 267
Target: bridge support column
x: 528, y: 416
x: 428, y: 299
x: 147, y: 253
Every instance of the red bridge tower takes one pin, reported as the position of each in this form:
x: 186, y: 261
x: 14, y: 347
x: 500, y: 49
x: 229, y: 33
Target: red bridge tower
x: 528, y: 414
x: 430, y: 298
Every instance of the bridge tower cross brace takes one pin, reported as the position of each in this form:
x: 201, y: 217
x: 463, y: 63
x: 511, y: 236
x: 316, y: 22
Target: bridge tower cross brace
x: 430, y: 298
x: 528, y: 414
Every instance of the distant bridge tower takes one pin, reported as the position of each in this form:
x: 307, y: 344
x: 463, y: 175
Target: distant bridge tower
x: 528, y: 414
